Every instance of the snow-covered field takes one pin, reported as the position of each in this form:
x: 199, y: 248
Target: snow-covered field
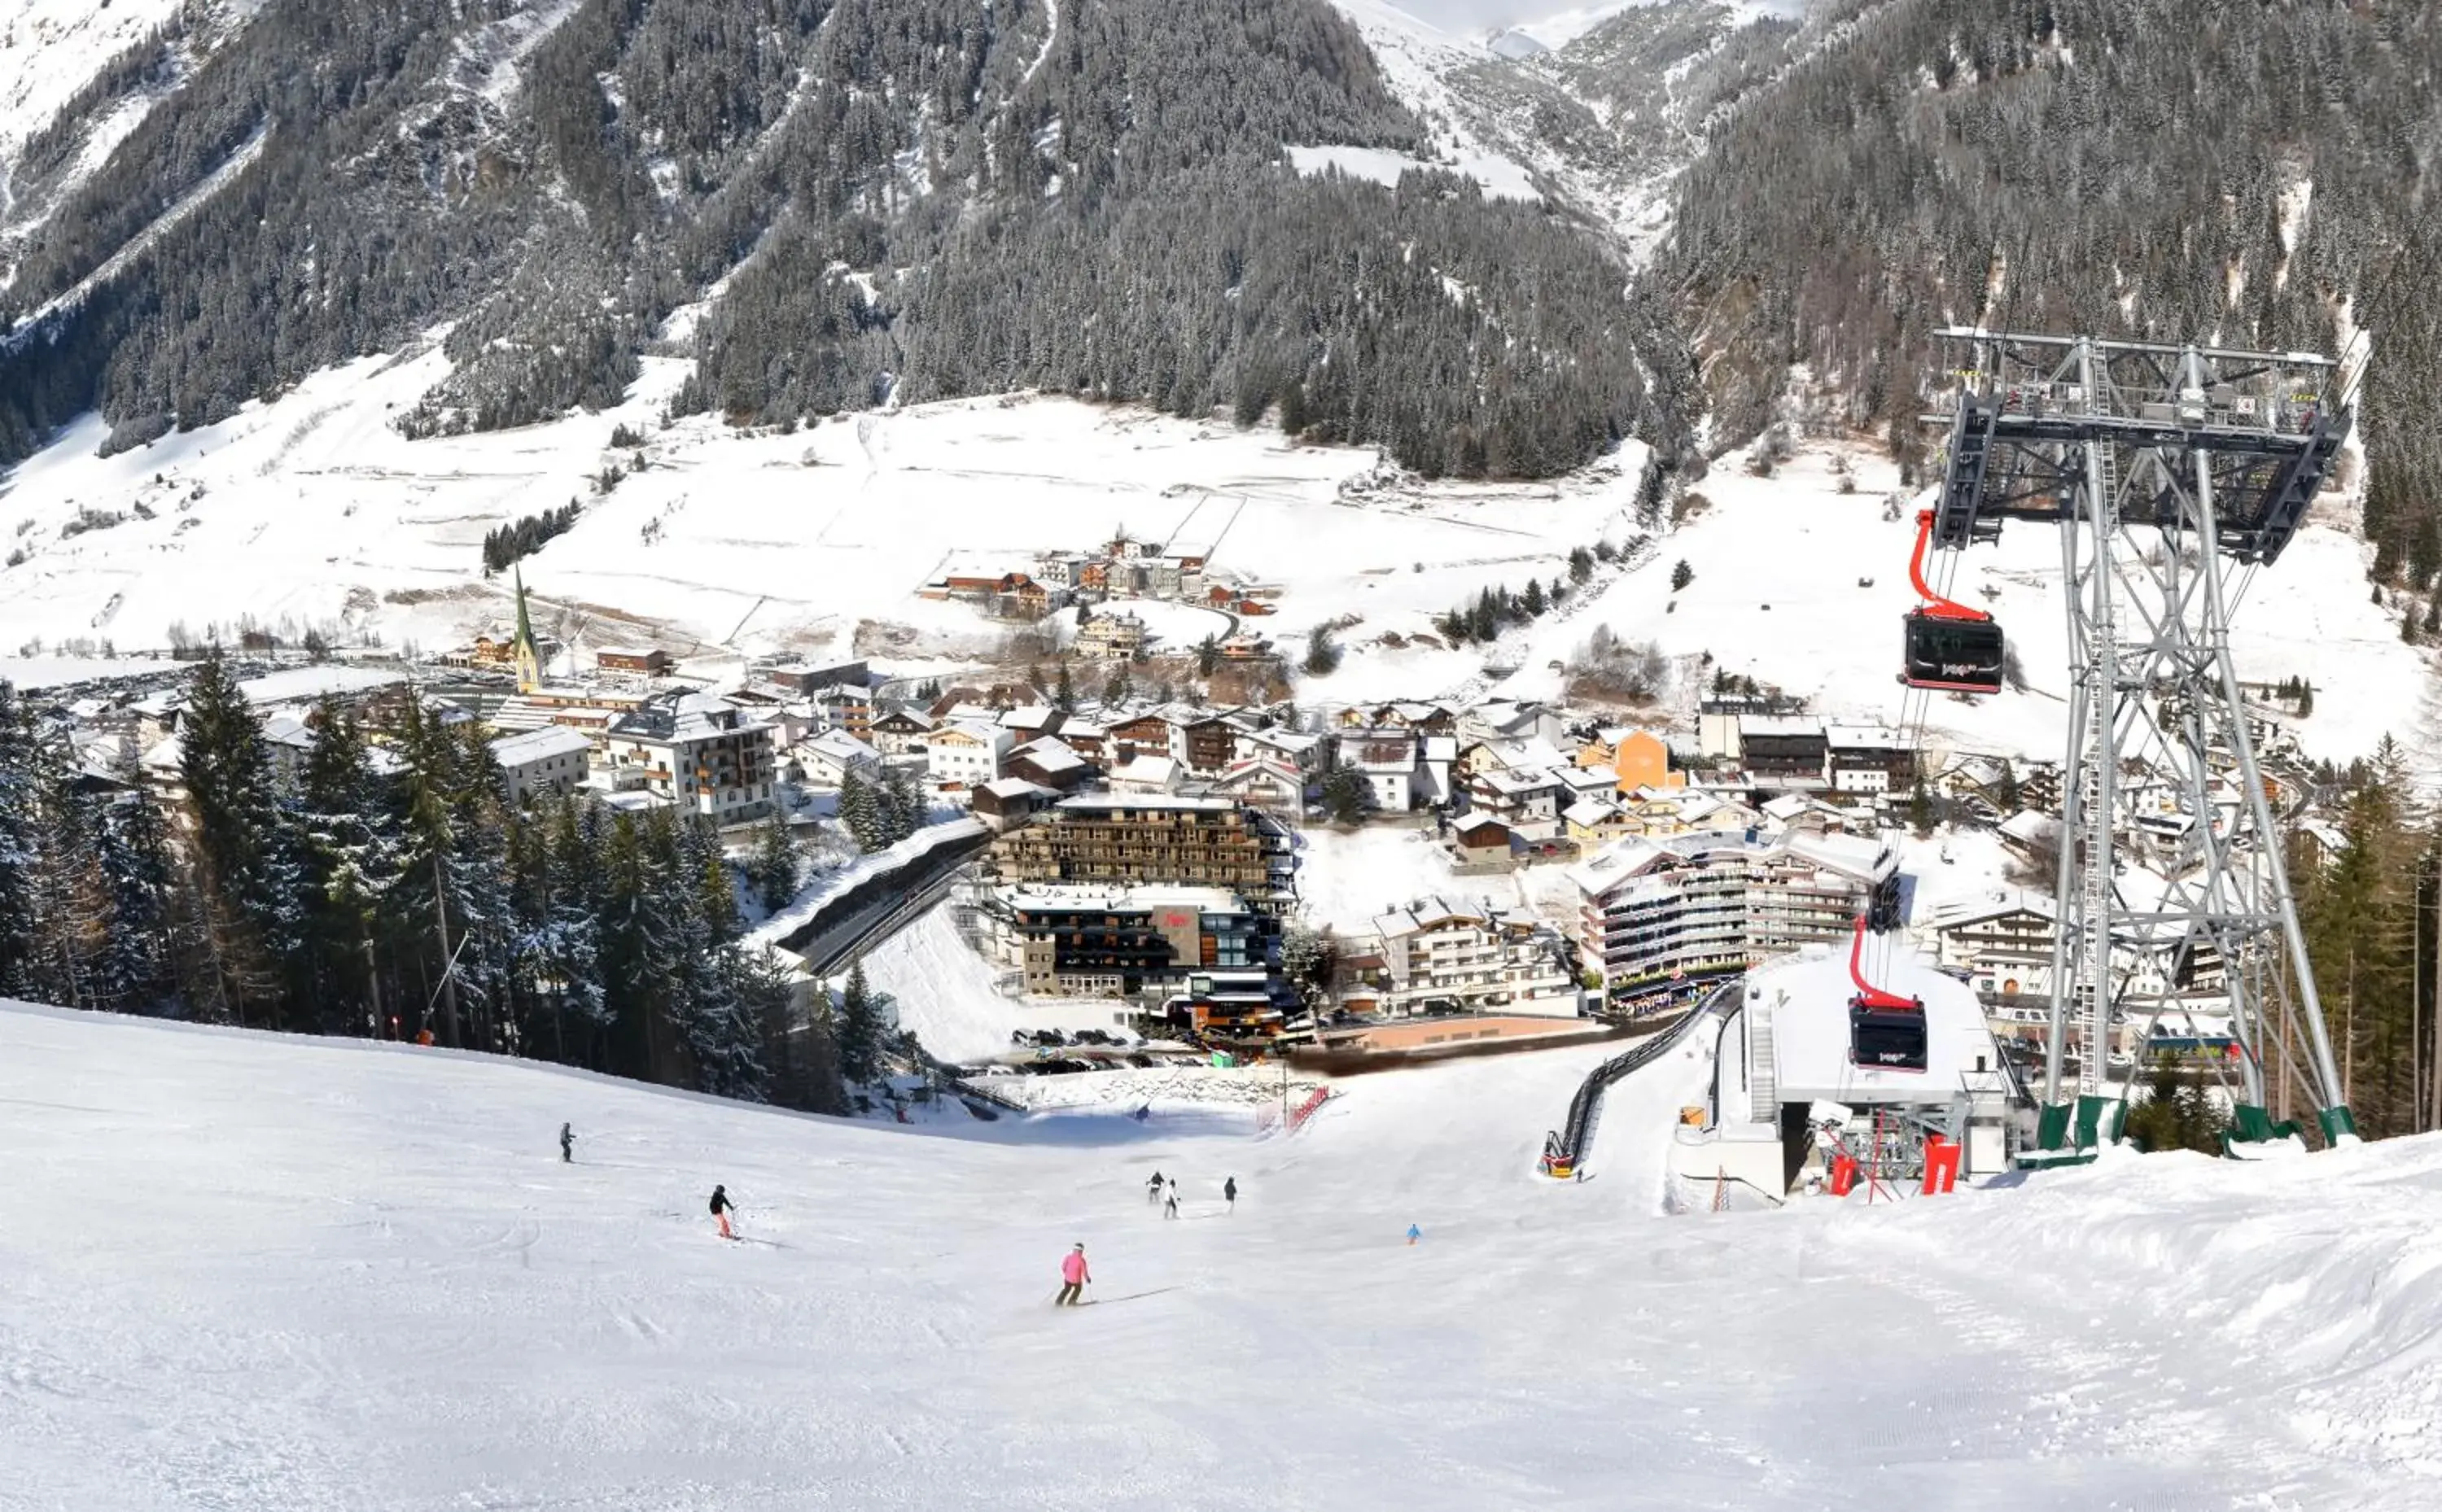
x: 272, y: 1273
x: 1803, y: 586
x: 314, y: 510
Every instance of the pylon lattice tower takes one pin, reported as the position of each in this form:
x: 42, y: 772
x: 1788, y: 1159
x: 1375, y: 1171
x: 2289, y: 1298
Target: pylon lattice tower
x: 2173, y: 474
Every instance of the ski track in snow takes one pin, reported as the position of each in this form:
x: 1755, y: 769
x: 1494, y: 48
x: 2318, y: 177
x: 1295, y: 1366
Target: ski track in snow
x: 313, y: 1273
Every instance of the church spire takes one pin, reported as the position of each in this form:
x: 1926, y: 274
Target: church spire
x: 529, y: 660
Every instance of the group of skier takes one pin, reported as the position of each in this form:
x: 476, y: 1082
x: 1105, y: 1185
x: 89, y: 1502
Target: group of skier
x: 1165, y: 1194
x: 1074, y: 1274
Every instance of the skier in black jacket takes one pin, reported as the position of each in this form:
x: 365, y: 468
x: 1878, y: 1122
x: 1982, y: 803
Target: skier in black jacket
x: 566, y: 1144
x: 722, y: 1209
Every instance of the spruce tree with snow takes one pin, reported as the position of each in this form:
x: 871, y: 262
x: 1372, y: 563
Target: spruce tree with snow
x: 861, y: 1029
x: 133, y: 975
x: 245, y: 889
x: 774, y: 868
x: 1115, y: 688
x: 348, y: 843
x: 564, y: 945
x: 860, y: 809
x: 19, y: 825
x: 1321, y: 653
x: 903, y: 805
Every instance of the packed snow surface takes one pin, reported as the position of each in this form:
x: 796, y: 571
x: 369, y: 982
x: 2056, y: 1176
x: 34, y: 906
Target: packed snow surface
x: 1500, y: 178
x: 248, y: 1271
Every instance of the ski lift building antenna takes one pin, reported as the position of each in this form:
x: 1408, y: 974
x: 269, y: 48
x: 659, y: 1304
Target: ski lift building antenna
x: 2161, y: 467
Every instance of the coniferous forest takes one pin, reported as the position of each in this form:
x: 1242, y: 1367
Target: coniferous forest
x: 385, y: 889
x: 908, y: 198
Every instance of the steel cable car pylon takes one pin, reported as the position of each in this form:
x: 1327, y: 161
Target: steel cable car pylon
x: 2159, y: 466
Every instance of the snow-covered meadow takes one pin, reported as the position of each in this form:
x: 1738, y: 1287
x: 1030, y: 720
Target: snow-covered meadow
x: 260, y: 1272
x: 313, y: 509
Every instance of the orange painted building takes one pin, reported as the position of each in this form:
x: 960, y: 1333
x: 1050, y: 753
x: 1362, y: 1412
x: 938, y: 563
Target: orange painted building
x: 1637, y: 759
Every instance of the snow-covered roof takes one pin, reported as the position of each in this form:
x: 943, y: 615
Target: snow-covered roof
x: 1296, y: 742
x: 1006, y: 787
x: 1865, y: 737
x: 1866, y: 860
x: 1520, y: 781
x: 1089, y: 802
x: 2000, y: 903
x: 1588, y: 812
x: 2029, y: 827
x: 1863, y: 860
x: 537, y: 745
x: 1145, y: 771
x: 1049, y: 755
x: 1425, y: 913
x: 680, y: 716
x: 982, y: 734
x: 1779, y: 724
x: 303, y: 683
x: 839, y: 745
x: 1379, y: 749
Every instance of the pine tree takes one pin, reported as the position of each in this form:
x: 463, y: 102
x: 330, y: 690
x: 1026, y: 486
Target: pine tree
x: 1534, y: 604
x: 20, y: 801
x: 1581, y: 564
x: 859, y: 808
x: 1115, y: 687
x: 1920, y: 811
x: 1321, y: 653
x: 1681, y: 576
x: 242, y: 890
x: 860, y: 1028
x: 347, y: 832
x: 1065, y: 697
x: 134, y: 974
x: 1345, y: 795
x: 903, y: 806
x: 775, y: 868
x: 1208, y: 656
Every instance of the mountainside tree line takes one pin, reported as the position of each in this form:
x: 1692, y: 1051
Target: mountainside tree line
x: 2368, y: 909
x: 356, y: 896
x: 2116, y: 166
x: 1095, y: 203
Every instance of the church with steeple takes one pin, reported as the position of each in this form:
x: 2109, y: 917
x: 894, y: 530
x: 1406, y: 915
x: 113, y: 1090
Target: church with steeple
x: 521, y: 649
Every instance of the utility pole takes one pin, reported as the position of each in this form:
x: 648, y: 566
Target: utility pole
x: 373, y: 983
x: 448, y: 957
x: 2433, y: 1027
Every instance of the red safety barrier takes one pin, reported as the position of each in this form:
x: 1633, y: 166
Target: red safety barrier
x: 1941, y: 1166
x: 1306, y: 1109
x: 1844, y: 1174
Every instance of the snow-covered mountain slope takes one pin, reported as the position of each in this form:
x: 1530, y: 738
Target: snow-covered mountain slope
x: 312, y: 511
x: 1600, y: 106
x: 76, y: 79
x: 1802, y: 587
x: 49, y: 49
x: 277, y: 1273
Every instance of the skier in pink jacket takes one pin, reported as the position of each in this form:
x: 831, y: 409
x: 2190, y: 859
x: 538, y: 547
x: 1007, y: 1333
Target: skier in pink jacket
x: 1074, y: 1277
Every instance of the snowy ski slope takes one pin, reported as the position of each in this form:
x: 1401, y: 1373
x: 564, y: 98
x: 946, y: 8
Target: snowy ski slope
x: 273, y: 1273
